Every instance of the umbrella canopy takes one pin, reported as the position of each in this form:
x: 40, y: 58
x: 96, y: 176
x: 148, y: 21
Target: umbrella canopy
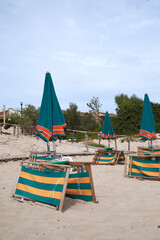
x: 107, y: 131
x: 147, y: 128
x: 51, y: 123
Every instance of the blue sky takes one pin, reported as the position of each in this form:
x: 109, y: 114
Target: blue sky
x: 98, y: 48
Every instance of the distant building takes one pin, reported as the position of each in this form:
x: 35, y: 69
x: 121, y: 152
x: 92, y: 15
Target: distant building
x: 111, y: 115
x: 101, y: 114
x: 8, y: 113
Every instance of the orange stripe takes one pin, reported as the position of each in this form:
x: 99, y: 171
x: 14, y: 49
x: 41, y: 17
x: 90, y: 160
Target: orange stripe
x: 107, y: 136
x: 45, y: 135
x: 147, y: 133
x: 58, y: 132
x: 43, y: 129
x: 59, y: 127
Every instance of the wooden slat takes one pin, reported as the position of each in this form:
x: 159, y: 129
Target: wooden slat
x: 125, y: 165
x: 130, y: 168
x: 88, y: 169
x: 64, y: 189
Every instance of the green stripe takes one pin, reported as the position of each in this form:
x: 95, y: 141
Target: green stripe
x: 45, y: 173
x: 45, y: 158
x: 107, y: 155
x: 106, y: 159
x: 44, y: 186
x: 150, y: 150
x: 106, y: 163
x: 157, y: 160
x: 142, y: 175
x: 77, y: 175
x: 85, y: 198
x: 145, y: 168
x: 52, y: 201
x: 78, y: 186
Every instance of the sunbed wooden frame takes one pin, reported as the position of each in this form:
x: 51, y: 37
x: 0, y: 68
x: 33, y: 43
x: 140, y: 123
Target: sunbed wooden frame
x: 109, y: 152
x: 129, y: 161
x: 78, y: 167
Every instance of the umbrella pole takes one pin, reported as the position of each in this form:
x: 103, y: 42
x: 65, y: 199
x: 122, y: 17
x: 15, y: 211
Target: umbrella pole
x: 151, y: 146
x: 108, y: 143
x: 48, y: 147
x: 54, y: 148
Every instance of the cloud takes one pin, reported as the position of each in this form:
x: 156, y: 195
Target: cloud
x: 144, y: 23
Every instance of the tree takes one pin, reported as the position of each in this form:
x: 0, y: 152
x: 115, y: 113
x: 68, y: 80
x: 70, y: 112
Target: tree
x: 95, y: 106
x: 27, y: 119
x: 129, y: 111
x: 88, y: 122
x: 72, y: 116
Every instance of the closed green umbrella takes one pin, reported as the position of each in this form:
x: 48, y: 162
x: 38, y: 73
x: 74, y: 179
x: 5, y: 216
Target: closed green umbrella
x: 51, y: 123
x: 147, y: 128
x: 107, y: 130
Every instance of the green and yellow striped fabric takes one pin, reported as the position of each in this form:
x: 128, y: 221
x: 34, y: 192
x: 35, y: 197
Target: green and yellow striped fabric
x: 44, y: 186
x: 121, y: 159
x: 108, y: 159
x: 144, y: 167
x: 79, y: 186
x: 47, y: 186
x: 45, y: 158
x: 105, y: 158
x: 147, y: 150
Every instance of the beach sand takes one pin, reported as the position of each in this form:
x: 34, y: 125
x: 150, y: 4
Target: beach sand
x: 127, y: 208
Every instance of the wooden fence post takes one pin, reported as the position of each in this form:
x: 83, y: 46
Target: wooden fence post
x: 86, y: 141
x: 115, y: 143
x: 14, y: 130
x: 17, y: 131
x: 129, y: 147
x: 73, y: 137
x: 99, y: 139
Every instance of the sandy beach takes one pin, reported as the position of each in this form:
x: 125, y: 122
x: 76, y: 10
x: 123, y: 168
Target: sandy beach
x: 126, y: 209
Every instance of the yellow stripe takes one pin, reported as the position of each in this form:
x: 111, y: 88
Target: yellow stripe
x: 39, y: 192
x: 79, y: 180
x: 154, y: 174
x: 121, y: 161
x: 103, y: 162
x: 84, y: 192
x: 148, y: 165
x: 108, y: 158
x: 49, y: 180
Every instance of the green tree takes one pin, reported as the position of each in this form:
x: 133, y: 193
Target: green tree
x: 26, y: 119
x: 129, y: 111
x: 72, y: 117
x: 156, y: 114
x: 94, y: 107
x: 88, y: 122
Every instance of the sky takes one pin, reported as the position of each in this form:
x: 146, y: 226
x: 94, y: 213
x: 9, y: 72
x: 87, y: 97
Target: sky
x: 99, y: 48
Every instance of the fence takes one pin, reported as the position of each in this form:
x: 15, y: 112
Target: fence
x: 72, y: 135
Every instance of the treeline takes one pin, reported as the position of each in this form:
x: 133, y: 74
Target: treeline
x: 128, y: 120
x: 129, y: 114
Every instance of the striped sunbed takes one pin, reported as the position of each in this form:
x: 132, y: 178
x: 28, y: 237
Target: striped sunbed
x: 144, y: 167
x: 47, y: 186
x: 141, y: 150
x: 79, y: 186
x: 108, y: 159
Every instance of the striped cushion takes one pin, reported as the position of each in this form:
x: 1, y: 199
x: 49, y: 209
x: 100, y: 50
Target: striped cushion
x: 47, y: 186
x: 144, y: 168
